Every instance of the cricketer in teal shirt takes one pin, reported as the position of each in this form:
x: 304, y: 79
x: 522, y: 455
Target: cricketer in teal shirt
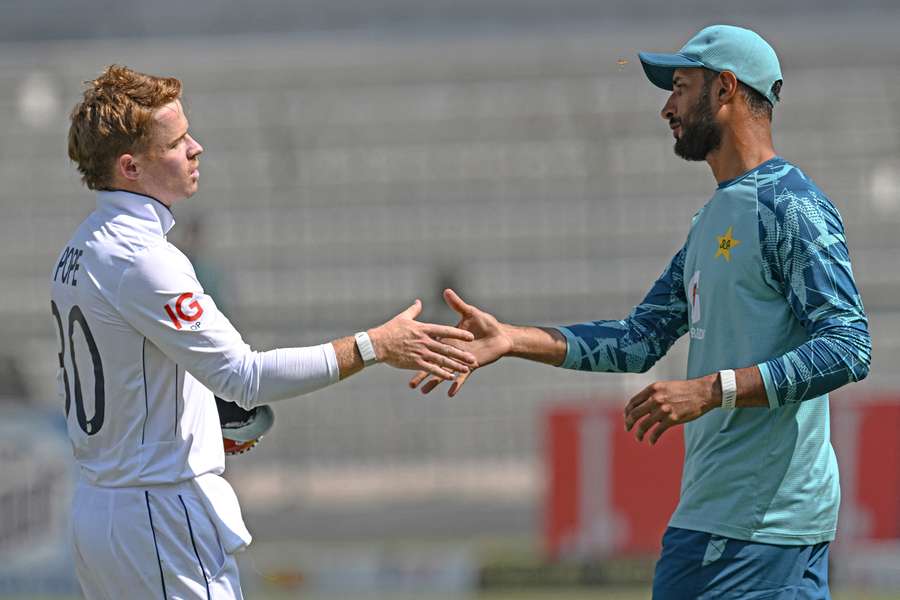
x: 764, y: 279
x: 764, y: 288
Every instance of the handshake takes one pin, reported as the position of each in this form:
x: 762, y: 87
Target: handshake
x: 441, y: 353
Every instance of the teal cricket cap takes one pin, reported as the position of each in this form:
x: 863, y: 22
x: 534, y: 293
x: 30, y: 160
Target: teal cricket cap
x: 720, y: 48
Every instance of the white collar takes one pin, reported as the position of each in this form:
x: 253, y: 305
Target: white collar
x: 139, y: 206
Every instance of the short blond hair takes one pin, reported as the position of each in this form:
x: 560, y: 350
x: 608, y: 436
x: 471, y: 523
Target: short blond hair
x: 115, y: 117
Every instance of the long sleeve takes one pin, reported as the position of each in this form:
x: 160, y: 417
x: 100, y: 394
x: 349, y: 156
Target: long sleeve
x: 634, y: 344
x: 160, y: 296
x: 805, y: 256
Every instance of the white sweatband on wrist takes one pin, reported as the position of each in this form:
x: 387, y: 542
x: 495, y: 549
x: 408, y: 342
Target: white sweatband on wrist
x: 366, y: 350
x: 729, y: 388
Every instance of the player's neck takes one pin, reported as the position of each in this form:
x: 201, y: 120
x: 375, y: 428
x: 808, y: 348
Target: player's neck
x: 740, y: 151
x: 136, y: 188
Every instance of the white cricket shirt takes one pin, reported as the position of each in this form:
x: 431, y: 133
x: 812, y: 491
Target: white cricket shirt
x: 142, y: 350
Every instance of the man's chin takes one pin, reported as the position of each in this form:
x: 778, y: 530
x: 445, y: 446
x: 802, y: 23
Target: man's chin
x: 181, y: 197
x: 683, y: 153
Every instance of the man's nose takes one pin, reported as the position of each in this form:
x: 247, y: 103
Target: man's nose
x: 196, y: 149
x: 668, y: 109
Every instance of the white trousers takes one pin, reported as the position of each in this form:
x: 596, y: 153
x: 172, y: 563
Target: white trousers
x: 156, y: 543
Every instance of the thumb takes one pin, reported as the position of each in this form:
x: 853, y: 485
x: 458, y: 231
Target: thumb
x: 456, y: 303
x: 413, y: 311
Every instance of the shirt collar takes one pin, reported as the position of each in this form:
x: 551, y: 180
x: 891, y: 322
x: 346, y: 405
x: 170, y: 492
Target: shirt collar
x: 145, y: 208
x: 772, y: 161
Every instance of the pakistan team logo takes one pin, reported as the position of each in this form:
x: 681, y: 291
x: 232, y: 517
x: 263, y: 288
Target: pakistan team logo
x: 726, y: 243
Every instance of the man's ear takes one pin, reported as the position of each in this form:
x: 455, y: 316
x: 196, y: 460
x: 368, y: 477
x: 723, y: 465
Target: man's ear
x: 727, y: 88
x: 128, y: 167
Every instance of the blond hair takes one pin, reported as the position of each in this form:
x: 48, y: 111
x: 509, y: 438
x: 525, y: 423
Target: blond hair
x: 115, y: 117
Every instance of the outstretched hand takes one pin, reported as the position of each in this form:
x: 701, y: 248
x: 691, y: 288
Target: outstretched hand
x: 489, y: 343
x: 405, y: 343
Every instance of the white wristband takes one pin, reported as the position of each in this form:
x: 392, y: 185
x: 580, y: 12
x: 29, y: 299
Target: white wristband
x: 366, y: 350
x: 729, y: 388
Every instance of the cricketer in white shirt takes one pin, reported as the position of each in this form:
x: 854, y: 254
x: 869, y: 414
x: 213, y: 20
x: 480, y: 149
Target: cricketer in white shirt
x: 141, y: 348
x: 143, y: 352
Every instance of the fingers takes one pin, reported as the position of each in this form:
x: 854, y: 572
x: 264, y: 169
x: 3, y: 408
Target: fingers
x: 417, y: 379
x: 413, y: 311
x: 635, y: 414
x: 439, y: 367
x: 647, y: 422
x: 659, y: 430
x: 443, y: 361
x: 433, y: 383
x: 452, y: 352
x: 457, y: 384
x: 642, y: 411
x: 456, y: 303
x: 429, y: 385
x: 445, y: 331
x: 639, y: 398
x: 657, y: 408
x: 437, y: 371
x: 454, y: 387
x: 637, y: 407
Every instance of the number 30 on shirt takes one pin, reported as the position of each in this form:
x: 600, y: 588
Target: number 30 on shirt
x: 89, y: 426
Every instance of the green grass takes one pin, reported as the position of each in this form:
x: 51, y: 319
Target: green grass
x: 631, y: 593
x: 639, y: 594
x: 499, y: 558
x: 593, y: 593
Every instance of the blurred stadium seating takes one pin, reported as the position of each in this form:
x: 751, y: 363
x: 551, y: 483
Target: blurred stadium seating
x: 347, y: 174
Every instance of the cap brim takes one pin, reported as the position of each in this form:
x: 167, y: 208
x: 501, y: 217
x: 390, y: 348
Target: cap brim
x: 660, y: 68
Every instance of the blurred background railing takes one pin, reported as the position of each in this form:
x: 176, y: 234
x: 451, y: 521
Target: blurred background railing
x: 360, y: 155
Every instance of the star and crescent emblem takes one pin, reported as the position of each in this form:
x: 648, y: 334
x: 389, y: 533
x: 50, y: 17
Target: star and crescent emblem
x: 726, y: 243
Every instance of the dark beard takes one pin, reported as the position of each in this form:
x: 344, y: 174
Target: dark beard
x: 701, y: 134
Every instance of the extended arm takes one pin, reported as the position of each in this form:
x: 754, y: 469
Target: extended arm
x: 160, y: 296
x: 494, y: 340
x: 632, y: 344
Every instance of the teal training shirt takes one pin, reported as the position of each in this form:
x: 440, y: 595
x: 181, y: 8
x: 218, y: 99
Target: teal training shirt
x: 764, y: 279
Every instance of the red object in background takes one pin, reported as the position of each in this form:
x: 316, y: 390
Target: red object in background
x: 878, y: 473
x: 563, y: 465
x: 608, y: 494
x: 647, y: 484
x: 866, y: 438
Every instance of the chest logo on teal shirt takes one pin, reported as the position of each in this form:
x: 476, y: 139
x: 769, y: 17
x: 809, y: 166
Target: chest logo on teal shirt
x: 694, y: 296
x: 697, y: 333
x: 726, y: 243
